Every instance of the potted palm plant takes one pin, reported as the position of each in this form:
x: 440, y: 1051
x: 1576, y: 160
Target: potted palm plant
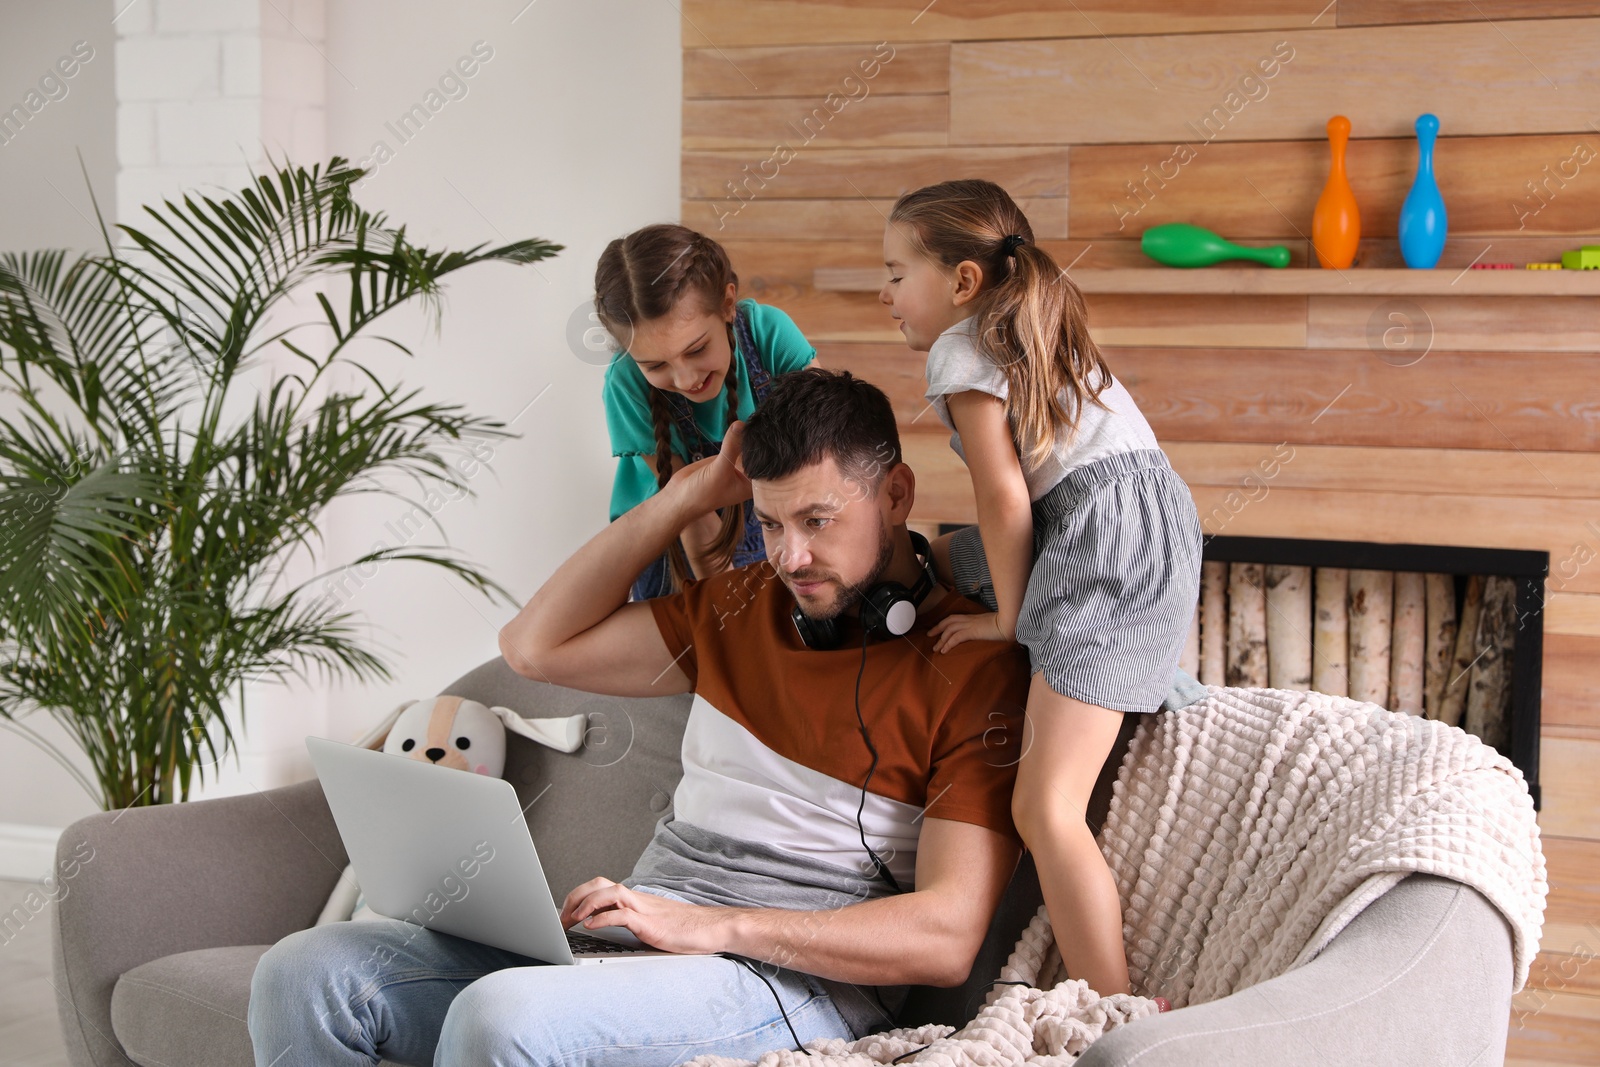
x: 149, y: 501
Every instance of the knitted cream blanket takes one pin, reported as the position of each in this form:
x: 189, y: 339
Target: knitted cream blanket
x: 1245, y: 831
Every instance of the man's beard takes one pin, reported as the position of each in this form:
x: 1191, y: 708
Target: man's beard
x: 853, y: 594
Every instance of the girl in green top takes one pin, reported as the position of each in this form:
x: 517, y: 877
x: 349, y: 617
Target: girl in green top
x: 692, y: 360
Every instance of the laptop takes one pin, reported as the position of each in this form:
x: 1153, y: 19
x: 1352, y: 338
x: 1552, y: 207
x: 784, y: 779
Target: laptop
x: 450, y: 851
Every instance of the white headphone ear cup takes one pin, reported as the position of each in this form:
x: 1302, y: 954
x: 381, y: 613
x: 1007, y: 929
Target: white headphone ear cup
x: 900, y: 618
x: 888, y: 610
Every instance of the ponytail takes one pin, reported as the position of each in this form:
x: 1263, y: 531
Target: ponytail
x: 1032, y: 320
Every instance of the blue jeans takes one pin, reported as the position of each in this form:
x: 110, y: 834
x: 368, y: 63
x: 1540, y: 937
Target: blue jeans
x: 354, y: 992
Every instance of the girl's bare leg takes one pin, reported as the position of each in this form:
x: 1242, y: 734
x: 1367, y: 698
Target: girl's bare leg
x: 1065, y: 743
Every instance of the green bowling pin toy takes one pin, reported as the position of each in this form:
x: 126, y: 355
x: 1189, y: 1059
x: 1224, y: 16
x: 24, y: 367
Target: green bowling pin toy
x: 1179, y: 244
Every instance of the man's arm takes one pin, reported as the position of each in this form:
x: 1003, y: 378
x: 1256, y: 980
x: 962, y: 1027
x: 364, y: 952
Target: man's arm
x: 929, y: 936
x: 699, y: 533
x: 579, y: 629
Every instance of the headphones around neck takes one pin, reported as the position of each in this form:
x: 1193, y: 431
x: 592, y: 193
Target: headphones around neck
x: 888, y: 609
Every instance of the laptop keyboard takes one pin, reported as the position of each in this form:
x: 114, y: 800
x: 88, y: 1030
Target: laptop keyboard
x: 588, y: 943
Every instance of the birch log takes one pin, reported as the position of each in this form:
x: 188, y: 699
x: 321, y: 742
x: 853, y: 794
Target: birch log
x: 1288, y: 626
x: 1189, y: 662
x: 1247, y: 626
x: 1213, y: 622
x: 1489, y: 681
x: 1441, y: 644
x: 1407, y: 644
x: 1330, y: 645
x: 1371, y: 612
x: 1454, y: 702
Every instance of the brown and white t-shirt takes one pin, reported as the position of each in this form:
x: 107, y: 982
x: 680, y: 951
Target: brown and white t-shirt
x: 774, y: 760
x: 773, y: 757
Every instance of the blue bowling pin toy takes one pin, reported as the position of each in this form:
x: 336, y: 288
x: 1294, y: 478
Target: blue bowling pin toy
x: 1422, y: 219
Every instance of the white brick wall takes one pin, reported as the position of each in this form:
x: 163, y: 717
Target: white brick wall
x: 133, y: 16
x: 205, y: 88
x: 205, y: 132
x: 152, y: 67
x: 241, y: 64
x: 202, y: 16
x: 136, y: 134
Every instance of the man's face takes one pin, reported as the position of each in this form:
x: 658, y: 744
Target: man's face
x: 826, y: 535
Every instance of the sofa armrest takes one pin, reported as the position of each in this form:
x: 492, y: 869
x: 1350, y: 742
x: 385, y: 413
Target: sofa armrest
x: 141, y: 883
x: 1422, y: 975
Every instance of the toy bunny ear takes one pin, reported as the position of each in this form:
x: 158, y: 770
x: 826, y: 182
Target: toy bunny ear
x: 564, y: 734
x: 375, y: 737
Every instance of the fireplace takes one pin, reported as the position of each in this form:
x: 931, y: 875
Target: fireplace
x: 1495, y: 596
x: 1494, y: 660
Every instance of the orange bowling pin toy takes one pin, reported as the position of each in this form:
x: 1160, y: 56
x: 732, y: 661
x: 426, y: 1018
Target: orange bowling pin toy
x: 1336, y: 224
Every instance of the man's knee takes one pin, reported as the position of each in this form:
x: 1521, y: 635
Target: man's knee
x: 313, y: 970
x: 282, y: 985
x: 284, y: 970
x: 490, y: 1023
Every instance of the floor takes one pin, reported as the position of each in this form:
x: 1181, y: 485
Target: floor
x: 30, y: 1033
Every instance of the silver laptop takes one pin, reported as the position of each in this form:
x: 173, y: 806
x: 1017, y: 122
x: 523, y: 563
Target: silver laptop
x: 450, y: 850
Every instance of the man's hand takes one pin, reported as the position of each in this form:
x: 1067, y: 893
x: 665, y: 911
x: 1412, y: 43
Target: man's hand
x: 717, y: 481
x: 670, y: 925
x: 952, y: 630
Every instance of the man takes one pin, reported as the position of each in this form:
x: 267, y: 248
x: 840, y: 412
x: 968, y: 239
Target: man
x: 762, y: 857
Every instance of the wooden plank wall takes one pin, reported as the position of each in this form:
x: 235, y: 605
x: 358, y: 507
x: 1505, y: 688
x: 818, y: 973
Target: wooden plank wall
x: 804, y: 119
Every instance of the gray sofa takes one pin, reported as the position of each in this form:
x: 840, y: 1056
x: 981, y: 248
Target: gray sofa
x: 155, y: 943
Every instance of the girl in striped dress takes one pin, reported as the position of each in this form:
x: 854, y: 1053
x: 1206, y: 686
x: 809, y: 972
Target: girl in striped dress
x: 691, y: 360
x: 1087, y: 547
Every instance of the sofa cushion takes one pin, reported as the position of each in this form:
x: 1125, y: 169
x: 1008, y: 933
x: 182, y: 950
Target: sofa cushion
x: 590, y: 812
x: 187, y: 1008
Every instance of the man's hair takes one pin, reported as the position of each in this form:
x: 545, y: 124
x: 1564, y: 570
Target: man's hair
x: 814, y: 413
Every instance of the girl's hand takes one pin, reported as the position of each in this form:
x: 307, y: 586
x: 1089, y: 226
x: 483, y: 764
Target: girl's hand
x: 952, y: 630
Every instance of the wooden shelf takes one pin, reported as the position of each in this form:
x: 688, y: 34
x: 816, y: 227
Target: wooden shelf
x: 1290, y: 281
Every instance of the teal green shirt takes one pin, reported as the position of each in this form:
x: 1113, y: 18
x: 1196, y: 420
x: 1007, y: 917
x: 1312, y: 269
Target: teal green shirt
x: 781, y: 348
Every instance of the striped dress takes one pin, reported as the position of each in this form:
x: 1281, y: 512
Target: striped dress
x: 1116, y: 538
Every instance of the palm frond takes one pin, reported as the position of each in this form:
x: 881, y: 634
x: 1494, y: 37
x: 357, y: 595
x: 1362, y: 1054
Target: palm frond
x: 146, y: 526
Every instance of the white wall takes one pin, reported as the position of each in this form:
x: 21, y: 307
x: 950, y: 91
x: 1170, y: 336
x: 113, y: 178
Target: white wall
x: 569, y: 132
x: 46, y: 200
x: 45, y: 203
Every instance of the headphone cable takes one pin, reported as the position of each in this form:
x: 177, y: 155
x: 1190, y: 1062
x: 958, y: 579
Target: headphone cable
x: 751, y: 968
x: 883, y: 868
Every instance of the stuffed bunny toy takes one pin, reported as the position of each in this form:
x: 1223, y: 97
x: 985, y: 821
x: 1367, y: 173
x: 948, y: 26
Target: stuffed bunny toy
x: 449, y: 731
x: 464, y: 734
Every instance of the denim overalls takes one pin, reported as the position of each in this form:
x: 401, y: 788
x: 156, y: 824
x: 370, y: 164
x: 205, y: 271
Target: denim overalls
x: 656, y: 579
